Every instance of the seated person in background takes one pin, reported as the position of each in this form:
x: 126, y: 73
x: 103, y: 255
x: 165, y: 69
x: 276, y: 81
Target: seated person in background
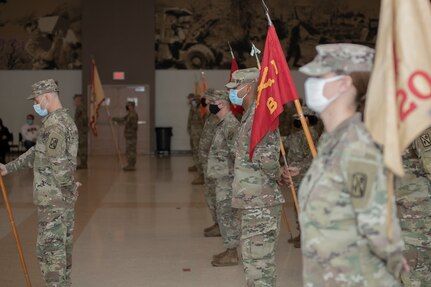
x: 4, y: 141
x: 29, y: 132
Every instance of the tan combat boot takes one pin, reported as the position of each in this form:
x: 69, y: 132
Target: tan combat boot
x: 129, y: 168
x: 198, y: 180
x: 192, y: 168
x: 230, y: 258
x: 211, y: 227
x: 213, y: 232
x: 296, y: 239
x: 220, y: 254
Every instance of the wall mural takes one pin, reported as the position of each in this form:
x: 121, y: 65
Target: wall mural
x: 42, y: 34
x: 193, y: 34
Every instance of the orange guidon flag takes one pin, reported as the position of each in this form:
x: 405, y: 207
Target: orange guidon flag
x: 97, y: 97
x: 276, y: 88
x: 398, y: 104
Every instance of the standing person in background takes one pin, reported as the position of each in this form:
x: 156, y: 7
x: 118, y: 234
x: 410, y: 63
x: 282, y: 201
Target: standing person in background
x: 130, y: 122
x: 221, y: 160
x: 196, y: 127
x: 255, y: 189
x: 205, y: 142
x: 81, y: 121
x: 413, y: 195
x: 29, y: 132
x: 343, y: 197
x: 190, y: 98
x: 298, y: 153
x: 4, y: 141
x: 55, y: 191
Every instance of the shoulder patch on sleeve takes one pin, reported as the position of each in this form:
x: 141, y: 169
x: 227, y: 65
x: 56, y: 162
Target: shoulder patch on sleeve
x: 361, y: 180
x: 55, y: 144
x: 425, y: 139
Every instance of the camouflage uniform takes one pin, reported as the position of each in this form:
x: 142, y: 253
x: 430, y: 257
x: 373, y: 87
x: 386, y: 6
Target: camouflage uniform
x: 205, y: 142
x: 413, y: 194
x: 286, y: 120
x: 343, y: 201
x: 298, y: 154
x: 220, y: 168
x: 81, y: 121
x: 53, y: 160
x: 259, y: 198
x: 130, y: 122
x: 423, y: 148
x: 196, y: 127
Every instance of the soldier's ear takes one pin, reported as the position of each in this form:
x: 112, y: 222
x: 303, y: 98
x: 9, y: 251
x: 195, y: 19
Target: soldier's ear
x: 345, y: 84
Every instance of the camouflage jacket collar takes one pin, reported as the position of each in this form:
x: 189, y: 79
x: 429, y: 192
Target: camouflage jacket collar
x: 332, y: 138
x: 249, y: 112
x: 56, y: 112
x: 225, y: 117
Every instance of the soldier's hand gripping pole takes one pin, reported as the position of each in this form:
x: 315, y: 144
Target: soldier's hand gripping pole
x: 292, y: 186
x: 15, y: 233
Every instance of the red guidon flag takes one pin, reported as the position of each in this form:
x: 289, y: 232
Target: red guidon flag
x: 97, y: 97
x: 398, y: 104
x: 276, y: 88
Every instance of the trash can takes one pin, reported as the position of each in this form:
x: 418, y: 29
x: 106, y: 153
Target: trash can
x: 163, y: 136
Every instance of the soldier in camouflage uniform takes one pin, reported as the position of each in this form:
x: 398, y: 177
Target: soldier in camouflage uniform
x: 221, y: 159
x: 81, y: 121
x: 423, y: 149
x: 413, y: 195
x: 343, y: 196
x: 190, y: 97
x: 298, y: 152
x: 196, y: 127
x: 256, y: 192
x: 207, y: 137
x: 53, y: 160
x: 130, y: 122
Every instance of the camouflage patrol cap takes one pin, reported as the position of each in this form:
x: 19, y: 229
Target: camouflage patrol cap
x: 214, y: 95
x: 243, y: 76
x: 345, y: 58
x: 43, y: 87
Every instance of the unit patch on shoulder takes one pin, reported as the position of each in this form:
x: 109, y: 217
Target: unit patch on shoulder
x: 53, y: 143
x: 359, y: 184
x: 426, y: 140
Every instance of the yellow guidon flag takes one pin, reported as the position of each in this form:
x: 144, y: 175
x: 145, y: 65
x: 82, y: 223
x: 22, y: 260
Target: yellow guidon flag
x: 398, y: 104
x: 97, y: 97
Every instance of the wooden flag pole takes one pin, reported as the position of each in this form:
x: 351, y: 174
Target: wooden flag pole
x: 305, y: 128
x: 390, y: 187
x: 114, y: 138
x: 15, y: 233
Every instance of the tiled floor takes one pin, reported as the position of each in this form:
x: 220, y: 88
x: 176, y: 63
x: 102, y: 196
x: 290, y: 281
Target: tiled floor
x: 141, y: 228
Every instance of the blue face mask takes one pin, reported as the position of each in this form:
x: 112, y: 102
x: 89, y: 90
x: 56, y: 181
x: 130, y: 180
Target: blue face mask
x: 233, y: 97
x: 30, y: 122
x: 41, y: 112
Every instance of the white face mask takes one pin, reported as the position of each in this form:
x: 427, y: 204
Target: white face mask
x: 314, y: 97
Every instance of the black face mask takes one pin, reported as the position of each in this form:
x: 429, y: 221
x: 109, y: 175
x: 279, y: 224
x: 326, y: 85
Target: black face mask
x: 127, y: 108
x: 214, y: 109
x: 204, y: 102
